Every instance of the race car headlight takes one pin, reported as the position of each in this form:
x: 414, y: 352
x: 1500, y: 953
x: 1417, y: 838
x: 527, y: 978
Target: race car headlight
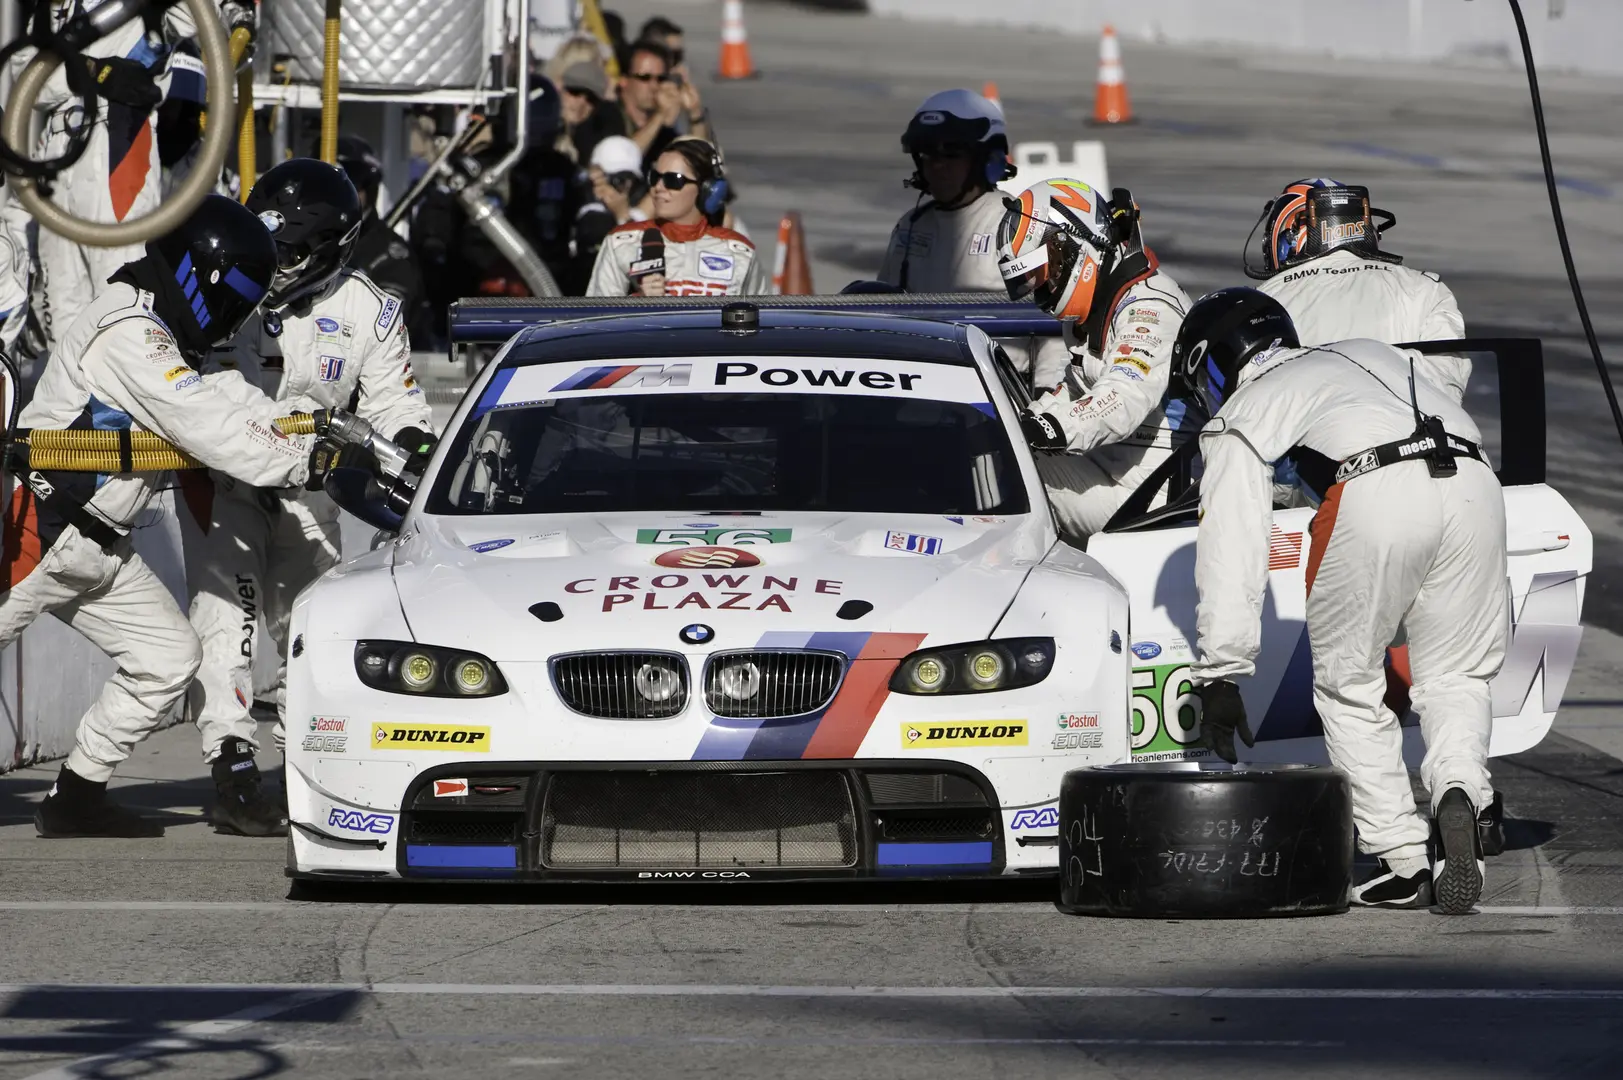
x: 404, y: 667
x: 975, y: 668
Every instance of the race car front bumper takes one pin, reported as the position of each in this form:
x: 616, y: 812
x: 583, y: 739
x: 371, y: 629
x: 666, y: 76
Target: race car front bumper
x: 678, y: 821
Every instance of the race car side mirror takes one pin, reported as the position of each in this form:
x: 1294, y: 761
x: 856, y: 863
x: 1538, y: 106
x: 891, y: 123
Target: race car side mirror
x: 358, y: 492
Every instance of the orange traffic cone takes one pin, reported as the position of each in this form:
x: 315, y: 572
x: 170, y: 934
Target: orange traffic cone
x: 735, y: 46
x: 989, y: 92
x: 1110, y: 104
x: 791, y: 276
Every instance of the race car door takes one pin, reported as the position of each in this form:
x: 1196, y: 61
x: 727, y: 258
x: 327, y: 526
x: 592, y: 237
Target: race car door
x: 1550, y: 553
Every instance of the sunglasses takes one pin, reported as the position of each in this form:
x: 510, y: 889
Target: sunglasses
x: 648, y: 76
x: 673, y: 181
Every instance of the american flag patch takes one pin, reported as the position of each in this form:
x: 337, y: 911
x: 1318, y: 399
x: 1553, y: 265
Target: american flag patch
x: 1284, y: 549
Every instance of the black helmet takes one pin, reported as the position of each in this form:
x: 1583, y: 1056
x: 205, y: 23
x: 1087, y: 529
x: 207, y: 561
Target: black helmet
x: 223, y: 261
x: 314, y: 215
x: 360, y: 162
x: 1221, y: 334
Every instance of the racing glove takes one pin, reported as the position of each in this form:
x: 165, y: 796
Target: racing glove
x: 128, y: 82
x: 326, y: 457
x: 1042, y: 431
x: 419, y: 444
x: 1221, y: 714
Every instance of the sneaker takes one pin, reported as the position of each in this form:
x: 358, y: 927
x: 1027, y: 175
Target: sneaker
x: 1389, y: 889
x: 78, y: 807
x: 241, y: 805
x: 1490, y: 825
x: 1458, y: 863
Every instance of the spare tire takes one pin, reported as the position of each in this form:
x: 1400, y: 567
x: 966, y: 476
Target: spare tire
x: 1187, y: 840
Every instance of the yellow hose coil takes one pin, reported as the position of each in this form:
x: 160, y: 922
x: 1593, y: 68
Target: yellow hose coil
x: 329, y: 86
x: 84, y: 450
x: 247, y: 145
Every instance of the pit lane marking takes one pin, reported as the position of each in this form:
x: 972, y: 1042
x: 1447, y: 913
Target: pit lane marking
x: 303, y: 993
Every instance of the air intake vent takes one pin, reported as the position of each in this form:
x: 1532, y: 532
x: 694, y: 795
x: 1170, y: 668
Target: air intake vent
x: 751, y: 685
x: 622, y: 686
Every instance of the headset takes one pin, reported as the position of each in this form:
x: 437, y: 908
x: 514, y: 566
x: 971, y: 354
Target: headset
x: 714, y: 191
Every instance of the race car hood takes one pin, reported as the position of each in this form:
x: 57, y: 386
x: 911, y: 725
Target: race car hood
x: 526, y: 588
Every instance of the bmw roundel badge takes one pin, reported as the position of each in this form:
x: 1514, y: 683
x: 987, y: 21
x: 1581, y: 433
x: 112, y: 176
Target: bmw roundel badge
x: 696, y: 634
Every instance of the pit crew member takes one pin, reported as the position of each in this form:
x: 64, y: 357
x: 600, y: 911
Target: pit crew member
x: 960, y: 152
x: 1412, y: 532
x: 129, y: 363
x: 1321, y: 259
x: 1103, y: 429
x: 328, y: 337
x: 684, y: 251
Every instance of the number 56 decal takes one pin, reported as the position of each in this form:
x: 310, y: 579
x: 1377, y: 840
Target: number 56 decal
x: 714, y: 536
x: 1166, y: 714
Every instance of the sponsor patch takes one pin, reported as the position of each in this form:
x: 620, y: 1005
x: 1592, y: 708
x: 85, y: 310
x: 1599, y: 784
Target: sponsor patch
x: 1076, y: 721
x: 715, y: 267
x: 1143, y: 315
x: 1134, y: 364
x: 326, y: 744
x: 330, y: 368
x: 918, y: 545
x: 1036, y: 817
x: 980, y: 244
x: 329, y: 723
x: 386, y: 317
x: 444, y: 738
x: 360, y: 821
x: 1146, y: 650
x: 326, y: 325
x: 489, y: 545
x: 449, y: 789
x: 176, y: 372
x: 920, y: 243
x: 706, y: 558
x: 932, y: 736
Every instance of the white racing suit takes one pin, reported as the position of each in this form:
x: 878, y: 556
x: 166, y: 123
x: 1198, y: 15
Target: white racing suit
x: 117, y: 367
x: 933, y: 250
x: 118, y: 178
x: 1343, y: 295
x: 249, y: 549
x: 699, y: 260
x: 15, y: 269
x: 1110, y: 407
x: 1393, y: 546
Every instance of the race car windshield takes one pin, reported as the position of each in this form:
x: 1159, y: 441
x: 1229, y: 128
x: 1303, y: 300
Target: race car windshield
x: 716, y: 452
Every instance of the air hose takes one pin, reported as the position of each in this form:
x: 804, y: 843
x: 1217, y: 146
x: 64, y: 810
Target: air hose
x: 198, y: 183
x: 329, y: 85
x: 85, y: 450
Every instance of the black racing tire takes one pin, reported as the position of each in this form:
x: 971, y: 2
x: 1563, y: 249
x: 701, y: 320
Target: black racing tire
x: 1185, y: 840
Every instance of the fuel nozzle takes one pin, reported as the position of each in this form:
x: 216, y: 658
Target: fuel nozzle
x: 341, y: 428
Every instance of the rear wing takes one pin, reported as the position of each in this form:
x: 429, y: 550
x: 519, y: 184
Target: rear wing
x: 1517, y: 370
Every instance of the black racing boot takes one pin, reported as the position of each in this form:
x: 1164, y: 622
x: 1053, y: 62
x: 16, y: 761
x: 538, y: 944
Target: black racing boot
x: 78, y: 807
x: 1389, y: 889
x: 1458, y: 866
x: 240, y: 803
x: 1490, y: 825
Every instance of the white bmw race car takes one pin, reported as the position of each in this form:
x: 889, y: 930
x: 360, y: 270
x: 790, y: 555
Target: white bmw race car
x: 771, y: 596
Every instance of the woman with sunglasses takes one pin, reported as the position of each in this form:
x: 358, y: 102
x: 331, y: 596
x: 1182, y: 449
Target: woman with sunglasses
x: 685, y: 250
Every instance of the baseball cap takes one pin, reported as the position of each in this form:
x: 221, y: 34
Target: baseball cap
x: 586, y: 76
x: 617, y: 154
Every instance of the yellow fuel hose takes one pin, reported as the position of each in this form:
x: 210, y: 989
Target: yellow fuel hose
x: 247, y: 146
x: 329, y: 86
x: 86, y: 450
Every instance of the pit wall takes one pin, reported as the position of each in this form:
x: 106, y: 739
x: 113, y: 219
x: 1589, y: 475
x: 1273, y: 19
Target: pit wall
x: 1572, y: 35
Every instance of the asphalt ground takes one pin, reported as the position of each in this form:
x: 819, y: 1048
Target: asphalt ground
x: 184, y: 957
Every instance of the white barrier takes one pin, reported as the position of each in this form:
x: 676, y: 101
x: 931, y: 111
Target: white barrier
x: 1037, y: 161
x: 1577, y: 35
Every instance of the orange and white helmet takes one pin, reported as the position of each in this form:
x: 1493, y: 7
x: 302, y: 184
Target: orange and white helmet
x: 1054, y: 244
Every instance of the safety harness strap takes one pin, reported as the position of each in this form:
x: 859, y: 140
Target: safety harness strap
x: 1416, y: 446
x: 90, y: 526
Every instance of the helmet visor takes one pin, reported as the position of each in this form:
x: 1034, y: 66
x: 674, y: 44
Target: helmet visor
x: 1022, y: 276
